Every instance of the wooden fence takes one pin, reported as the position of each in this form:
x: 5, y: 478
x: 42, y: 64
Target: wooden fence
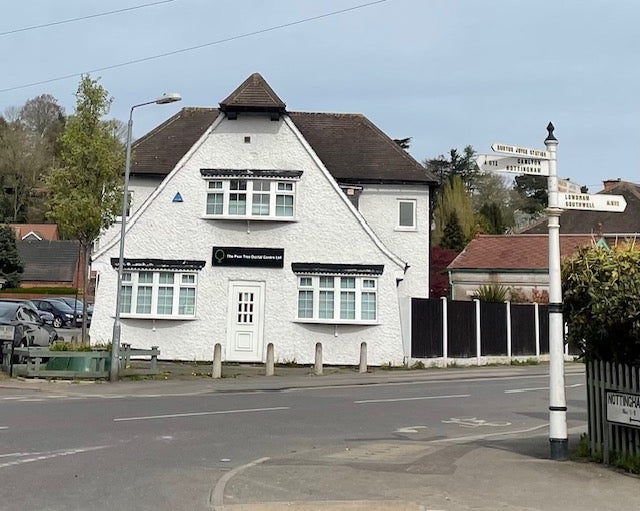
x: 40, y: 362
x: 613, y: 398
x: 450, y: 329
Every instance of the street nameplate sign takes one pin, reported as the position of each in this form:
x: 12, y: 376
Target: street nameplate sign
x: 524, y: 152
x: 514, y: 165
x: 623, y: 408
x: 590, y: 202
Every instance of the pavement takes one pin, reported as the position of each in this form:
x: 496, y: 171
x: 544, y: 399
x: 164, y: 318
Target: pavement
x: 479, y: 471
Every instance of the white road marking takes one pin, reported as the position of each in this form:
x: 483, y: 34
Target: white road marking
x: 471, y: 438
x: 41, y: 456
x: 196, y: 414
x: 474, y: 422
x: 411, y: 399
x: 216, y: 497
x: 410, y: 429
x: 4, y: 427
x: 533, y: 389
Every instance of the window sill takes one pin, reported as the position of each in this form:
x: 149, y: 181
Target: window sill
x: 157, y: 316
x: 336, y: 321
x: 250, y: 218
x: 406, y: 229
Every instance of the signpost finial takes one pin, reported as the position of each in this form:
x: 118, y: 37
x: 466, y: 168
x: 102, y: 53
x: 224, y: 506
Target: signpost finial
x: 550, y: 136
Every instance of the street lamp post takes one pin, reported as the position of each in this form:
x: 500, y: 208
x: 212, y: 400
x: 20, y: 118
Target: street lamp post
x: 114, y: 371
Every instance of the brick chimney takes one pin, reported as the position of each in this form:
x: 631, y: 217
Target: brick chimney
x: 610, y: 183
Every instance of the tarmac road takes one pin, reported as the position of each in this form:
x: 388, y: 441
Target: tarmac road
x: 441, y: 439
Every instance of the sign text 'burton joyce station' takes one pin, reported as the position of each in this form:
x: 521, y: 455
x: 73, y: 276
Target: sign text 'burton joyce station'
x: 515, y: 150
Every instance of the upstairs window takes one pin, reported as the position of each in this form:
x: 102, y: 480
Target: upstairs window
x: 406, y: 215
x: 250, y: 198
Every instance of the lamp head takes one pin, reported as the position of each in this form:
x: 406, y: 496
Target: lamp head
x: 170, y: 97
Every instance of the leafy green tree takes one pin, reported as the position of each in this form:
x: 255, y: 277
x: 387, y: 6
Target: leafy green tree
x: 454, y: 197
x: 10, y: 264
x: 405, y: 143
x: 601, y: 290
x: 453, y: 236
x: 491, y: 219
x: 28, y: 145
x: 532, y: 193
x: 85, y: 190
x: 456, y: 164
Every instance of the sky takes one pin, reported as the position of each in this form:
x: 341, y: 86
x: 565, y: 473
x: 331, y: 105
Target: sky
x: 447, y: 73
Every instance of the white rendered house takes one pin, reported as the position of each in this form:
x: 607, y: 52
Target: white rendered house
x: 253, y: 225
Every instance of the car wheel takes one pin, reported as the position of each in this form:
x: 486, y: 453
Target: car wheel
x: 57, y: 322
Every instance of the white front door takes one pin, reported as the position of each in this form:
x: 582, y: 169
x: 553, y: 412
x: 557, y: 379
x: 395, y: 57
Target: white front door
x: 246, y: 322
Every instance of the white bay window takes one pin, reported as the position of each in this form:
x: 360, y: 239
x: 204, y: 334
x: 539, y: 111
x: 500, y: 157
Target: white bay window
x: 255, y: 194
x: 337, y: 293
x: 158, y: 288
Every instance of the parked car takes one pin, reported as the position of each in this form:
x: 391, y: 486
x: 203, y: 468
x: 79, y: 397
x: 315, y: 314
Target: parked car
x: 76, y: 305
x: 63, y: 315
x: 22, y: 326
x: 45, y: 316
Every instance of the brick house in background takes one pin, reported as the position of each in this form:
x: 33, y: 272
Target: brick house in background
x: 47, y: 260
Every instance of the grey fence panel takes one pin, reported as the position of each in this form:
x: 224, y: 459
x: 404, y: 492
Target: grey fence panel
x: 611, y: 438
x: 543, y: 322
x: 493, y: 328
x: 523, y: 329
x: 461, y: 322
x: 426, y: 328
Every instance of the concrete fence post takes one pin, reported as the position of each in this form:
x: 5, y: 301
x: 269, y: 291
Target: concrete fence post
x: 445, y: 333
x: 318, y: 364
x: 216, y: 371
x: 363, y: 358
x: 478, y: 334
x: 269, y: 367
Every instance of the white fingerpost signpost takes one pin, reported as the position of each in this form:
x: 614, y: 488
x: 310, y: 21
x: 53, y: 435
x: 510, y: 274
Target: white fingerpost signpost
x: 524, y: 160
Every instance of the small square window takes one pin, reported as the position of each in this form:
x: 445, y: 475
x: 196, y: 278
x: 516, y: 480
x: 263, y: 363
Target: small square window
x: 306, y: 282
x: 247, y: 140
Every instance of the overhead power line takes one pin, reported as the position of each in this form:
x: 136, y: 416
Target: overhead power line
x: 192, y: 48
x: 80, y: 18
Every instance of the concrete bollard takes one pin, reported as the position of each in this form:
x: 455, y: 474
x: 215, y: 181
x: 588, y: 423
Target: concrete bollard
x: 216, y: 371
x: 318, y: 365
x: 363, y: 358
x: 269, y: 371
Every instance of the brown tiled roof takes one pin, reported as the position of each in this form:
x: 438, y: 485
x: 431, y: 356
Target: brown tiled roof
x: 354, y: 150
x: 351, y: 147
x: 44, y: 231
x: 159, y: 151
x: 48, y: 261
x: 515, y: 251
x: 601, y: 222
x: 253, y: 94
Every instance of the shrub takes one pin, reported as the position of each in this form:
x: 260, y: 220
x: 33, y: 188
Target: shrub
x: 601, y: 289
x: 491, y: 293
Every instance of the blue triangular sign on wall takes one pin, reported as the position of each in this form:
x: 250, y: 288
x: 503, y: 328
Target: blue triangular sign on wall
x: 177, y: 198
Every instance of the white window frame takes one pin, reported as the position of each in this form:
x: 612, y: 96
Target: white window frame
x: 182, y: 281
x: 414, y: 205
x: 278, y: 190
x: 317, y: 289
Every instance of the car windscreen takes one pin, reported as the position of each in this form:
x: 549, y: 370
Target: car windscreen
x: 8, y: 310
x: 61, y: 306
